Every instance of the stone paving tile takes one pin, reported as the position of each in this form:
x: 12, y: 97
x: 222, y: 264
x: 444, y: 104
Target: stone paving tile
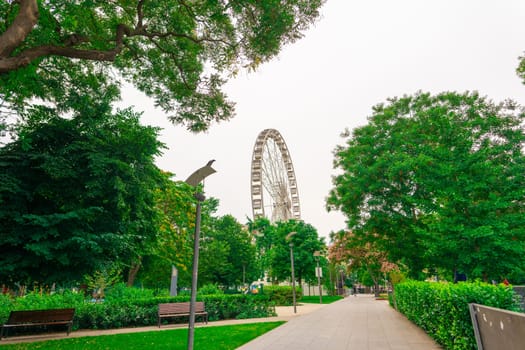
x: 355, y: 323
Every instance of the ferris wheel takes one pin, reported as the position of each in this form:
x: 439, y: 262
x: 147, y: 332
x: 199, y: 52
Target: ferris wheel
x: 273, y: 183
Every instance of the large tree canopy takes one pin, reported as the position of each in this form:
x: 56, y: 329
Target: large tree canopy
x: 76, y: 194
x: 438, y: 182
x: 228, y: 255
x: 179, y: 52
x: 274, y: 244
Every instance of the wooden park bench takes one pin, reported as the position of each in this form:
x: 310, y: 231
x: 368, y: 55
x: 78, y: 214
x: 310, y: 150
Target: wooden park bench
x: 38, y: 318
x: 169, y: 310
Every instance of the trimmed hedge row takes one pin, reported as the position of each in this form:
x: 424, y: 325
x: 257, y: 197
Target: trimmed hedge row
x: 135, y: 313
x: 282, y: 295
x: 441, y: 309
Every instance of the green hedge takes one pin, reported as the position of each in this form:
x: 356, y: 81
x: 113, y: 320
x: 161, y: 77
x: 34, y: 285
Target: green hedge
x: 441, y: 309
x: 118, y: 313
x: 282, y: 295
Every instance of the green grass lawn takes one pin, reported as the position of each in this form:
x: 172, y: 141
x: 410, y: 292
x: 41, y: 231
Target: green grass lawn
x: 327, y: 299
x: 216, y: 338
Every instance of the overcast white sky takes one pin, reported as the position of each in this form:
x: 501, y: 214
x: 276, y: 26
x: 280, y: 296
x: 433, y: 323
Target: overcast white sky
x: 357, y: 55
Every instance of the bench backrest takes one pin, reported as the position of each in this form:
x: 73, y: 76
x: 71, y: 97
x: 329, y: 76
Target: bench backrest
x: 184, y: 307
x: 40, y: 316
x: 497, y: 328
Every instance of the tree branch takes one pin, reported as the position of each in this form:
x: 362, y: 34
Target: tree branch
x: 22, y: 25
x: 140, y: 15
x: 29, y: 55
x: 27, y: 18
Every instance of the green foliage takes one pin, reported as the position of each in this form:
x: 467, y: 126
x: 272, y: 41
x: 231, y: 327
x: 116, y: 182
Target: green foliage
x: 173, y: 245
x: 227, y: 254
x: 120, y: 291
x: 223, y: 307
x: 101, y: 279
x: 36, y: 300
x: 263, y: 231
x: 6, y: 304
x: 396, y: 276
x: 210, y: 289
x: 256, y: 307
x: 273, y: 249
x: 76, y: 194
x: 108, y: 315
x: 441, y: 309
x: 437, y: 183
x: 179, y: 53
x: 126, y: 308
x: 282, y: 295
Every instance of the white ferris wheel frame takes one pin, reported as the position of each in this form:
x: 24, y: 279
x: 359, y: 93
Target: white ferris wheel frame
x: 273, y: 181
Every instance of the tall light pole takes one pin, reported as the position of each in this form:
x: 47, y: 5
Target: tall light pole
x: 319, y: 274
x: 194, y: 180
x: 288, y: 238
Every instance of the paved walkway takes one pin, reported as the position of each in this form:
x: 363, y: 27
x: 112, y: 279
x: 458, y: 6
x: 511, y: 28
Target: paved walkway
x: 357, y: 323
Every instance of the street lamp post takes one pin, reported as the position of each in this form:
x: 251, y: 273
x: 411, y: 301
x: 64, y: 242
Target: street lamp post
x: 288, y: 238
x: 318, y: 273
x: 195, y: 179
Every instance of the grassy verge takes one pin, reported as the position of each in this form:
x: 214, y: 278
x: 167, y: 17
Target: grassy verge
x: 217, y: 338
x: 327, y: 299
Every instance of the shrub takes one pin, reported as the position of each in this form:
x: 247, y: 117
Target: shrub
x: 120, y: 291
x: 117, y: 312
x: 223, y: 307
x: 282, y: 295
x: 116, y: 315
x: 6, y: 305
x: 441, y: 309
x: 210, y: 289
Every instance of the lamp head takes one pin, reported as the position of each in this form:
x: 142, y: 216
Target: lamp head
x: 290, y: 235
x: 200, y: 174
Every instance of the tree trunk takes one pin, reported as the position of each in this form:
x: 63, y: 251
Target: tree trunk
x: 133, y: 270
x: 376, y: 288
x: 375, y: 279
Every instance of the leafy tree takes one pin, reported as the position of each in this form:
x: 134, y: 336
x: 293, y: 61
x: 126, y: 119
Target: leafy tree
x: 228, y: 255
x: 305, y: 242
x: 172, y: 246
x: 174, y: 243
x: 338, y: 249
x: 346, y: 248
x: 178, y: 52
x: 263, y: 232
x: 76, y: 194
x: 437, y: 182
